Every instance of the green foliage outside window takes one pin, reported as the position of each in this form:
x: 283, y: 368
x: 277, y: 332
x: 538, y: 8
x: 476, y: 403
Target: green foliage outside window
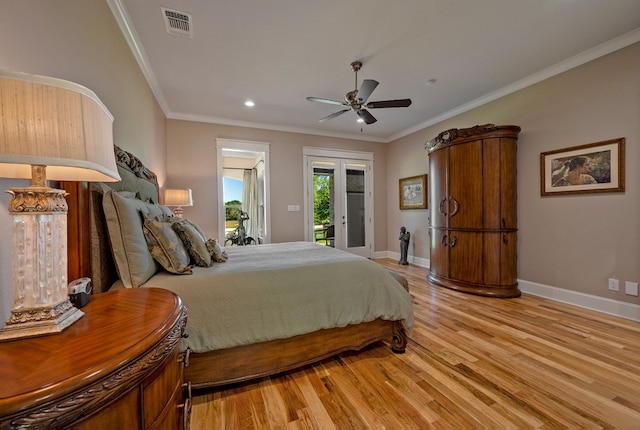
x: 231, y: 213
x: 322, y: 199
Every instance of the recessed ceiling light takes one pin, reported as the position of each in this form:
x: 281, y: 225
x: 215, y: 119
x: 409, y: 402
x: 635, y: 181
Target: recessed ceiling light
x: 360, y: 120
x: 249, y: 103
x: 430, y: 82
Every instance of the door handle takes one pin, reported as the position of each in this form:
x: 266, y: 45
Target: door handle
x: 441, y: 206
x: 456, y: 206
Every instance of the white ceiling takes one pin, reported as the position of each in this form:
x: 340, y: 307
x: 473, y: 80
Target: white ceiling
x: 278, y: 52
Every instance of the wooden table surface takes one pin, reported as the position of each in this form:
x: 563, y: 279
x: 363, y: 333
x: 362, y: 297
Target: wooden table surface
x: 117, y: 328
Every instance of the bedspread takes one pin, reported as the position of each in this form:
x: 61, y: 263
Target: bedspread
x: 276, y: 291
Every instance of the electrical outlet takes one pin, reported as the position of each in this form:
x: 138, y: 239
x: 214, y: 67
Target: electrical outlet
x: 614, y: 285
x: 631, y: 288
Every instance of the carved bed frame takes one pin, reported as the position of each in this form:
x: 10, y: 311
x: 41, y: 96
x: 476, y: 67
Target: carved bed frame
x: 90, y: 255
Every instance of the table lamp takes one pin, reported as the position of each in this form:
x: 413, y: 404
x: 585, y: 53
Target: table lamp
x: 179, y: 198
x: 50, y: 129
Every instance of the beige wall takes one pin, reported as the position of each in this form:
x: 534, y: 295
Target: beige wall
x: 570, y: 242
x: 78, y: 40
x: 191, y: 154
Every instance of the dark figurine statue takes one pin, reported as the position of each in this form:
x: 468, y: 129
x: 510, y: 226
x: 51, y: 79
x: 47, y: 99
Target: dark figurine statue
x: 404, y: 245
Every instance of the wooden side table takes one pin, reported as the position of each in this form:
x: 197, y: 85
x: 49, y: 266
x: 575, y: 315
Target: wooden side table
x: 119, y: 367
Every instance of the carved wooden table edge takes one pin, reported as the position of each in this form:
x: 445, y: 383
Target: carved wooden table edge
x: 50, y: 409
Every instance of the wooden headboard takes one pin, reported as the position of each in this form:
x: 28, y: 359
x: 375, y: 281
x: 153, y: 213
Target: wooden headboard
x: 89, y: 251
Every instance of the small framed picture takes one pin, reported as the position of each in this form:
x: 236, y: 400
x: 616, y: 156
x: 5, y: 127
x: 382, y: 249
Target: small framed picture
x: 413, y: 192
x: 592, y: 168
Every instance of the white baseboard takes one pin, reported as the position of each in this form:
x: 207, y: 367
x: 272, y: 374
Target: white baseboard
x: 423, y: 262
x: 588, y: 301
x: 601, y: 304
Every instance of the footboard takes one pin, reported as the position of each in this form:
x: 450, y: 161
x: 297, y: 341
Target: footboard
x: 247, y: 362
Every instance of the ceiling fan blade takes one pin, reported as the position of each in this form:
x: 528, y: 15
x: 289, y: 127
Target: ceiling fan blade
x: 333, y: 115
x: 366, y: 116
x: 366, y: 88
x: 331, y: 102
x: 389, y: 104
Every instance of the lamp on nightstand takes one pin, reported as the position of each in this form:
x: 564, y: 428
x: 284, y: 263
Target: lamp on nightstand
x: 179, y: 198
x: 50, y: 129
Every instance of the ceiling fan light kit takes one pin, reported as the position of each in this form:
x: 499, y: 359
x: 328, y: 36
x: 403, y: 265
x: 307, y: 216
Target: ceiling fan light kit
x: 356, y: 100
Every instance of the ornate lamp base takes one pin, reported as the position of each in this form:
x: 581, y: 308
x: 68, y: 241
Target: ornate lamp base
x: 39, y: 265
x: 40, y: 321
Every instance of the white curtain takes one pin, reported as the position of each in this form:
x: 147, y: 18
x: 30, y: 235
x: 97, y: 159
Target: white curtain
x: 250, y: 202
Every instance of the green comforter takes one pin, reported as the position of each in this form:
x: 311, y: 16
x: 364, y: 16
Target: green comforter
x: 276, y: 291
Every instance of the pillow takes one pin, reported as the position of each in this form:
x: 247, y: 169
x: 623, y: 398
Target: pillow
x: 164, y: 210
x: 193, y: 240
x: 131, y: 255
x: 127, y: 194
x: 217, y: 254
x: 197, y: 227
x: 158, y: 211
x: 165, y: 246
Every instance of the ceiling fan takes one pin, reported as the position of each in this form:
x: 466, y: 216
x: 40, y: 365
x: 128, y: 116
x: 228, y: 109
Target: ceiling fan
x: 356, y: 100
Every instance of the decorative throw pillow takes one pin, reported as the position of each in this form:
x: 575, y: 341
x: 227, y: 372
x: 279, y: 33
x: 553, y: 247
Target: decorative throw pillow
x: 193, y: 240
x: 197, y: 227
x: 131, y: 255
x: 165, y: 246
x: 217, y: 254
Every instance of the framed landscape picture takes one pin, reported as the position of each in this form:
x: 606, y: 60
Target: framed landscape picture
x: 592, y: 168
x: 413, y: 192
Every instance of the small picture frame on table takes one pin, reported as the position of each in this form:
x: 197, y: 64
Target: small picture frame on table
x: 413, y: 192
x: 593, y: 168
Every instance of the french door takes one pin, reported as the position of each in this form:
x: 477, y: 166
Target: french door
x: 339, y: 201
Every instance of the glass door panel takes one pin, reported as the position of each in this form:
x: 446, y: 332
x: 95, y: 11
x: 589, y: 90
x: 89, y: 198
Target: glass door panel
x: 355, y: 206
x: 323, y: 193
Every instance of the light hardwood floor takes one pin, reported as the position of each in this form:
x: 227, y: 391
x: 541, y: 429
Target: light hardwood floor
x: 472, y: 362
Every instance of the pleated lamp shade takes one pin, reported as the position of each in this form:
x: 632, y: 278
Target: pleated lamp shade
x: 55, y: 123
x: 179, y: 198
x: 175, y: 197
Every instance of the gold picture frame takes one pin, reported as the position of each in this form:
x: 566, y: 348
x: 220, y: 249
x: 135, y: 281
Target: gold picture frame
x: 593, y: 168
x: 413, y: 192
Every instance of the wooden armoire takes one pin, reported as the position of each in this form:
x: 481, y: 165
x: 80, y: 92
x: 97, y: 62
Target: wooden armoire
x: 472, y: 210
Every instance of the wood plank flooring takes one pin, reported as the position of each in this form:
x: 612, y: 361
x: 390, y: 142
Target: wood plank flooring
x: 472, y: 362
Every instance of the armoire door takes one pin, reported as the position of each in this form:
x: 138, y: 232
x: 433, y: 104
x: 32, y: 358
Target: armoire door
x: 439, y: 251
x: 500, y: 258
x: 465, y: 256
x: 465, y: 177
x: 438, y: 192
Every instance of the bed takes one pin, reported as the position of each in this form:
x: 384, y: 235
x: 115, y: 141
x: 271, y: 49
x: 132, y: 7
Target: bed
x: 267, y: 309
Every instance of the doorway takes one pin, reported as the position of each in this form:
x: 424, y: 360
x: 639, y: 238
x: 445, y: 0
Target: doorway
x: 339, y: 199
x: 243, y: 187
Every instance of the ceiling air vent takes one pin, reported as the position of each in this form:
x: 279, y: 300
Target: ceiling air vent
x: 178, y: 23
